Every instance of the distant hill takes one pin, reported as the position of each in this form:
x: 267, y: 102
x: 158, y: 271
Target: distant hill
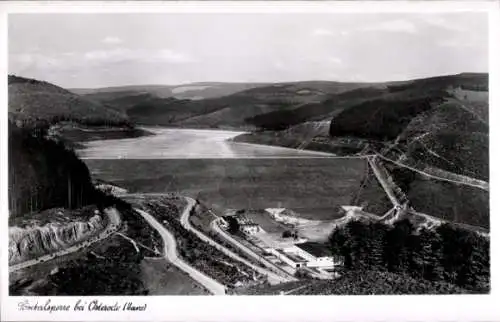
x: 203, y: 105
x: 192, y: 91
x: 441, y: 121
x: 256, y: 107
x: 437, y: 124
x: 32, y: 100
x: 387, y: 115
x: 297, y: 136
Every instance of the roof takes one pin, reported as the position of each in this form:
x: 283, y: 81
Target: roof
x: 293, y: 257
x: 251, y: 224
x: 315, y: 249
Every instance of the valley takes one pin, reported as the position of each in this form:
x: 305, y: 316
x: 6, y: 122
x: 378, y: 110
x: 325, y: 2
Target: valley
x: 328, y: 155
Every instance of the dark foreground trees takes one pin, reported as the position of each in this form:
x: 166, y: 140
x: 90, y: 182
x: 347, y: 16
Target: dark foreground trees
x: 43, y: 173
x: 448, y: 253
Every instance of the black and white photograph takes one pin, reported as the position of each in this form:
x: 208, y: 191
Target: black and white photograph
x: 247, y: 154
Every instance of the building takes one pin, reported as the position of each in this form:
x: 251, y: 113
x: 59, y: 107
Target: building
x: 247, y: 226
x: 250, y: 228
x: 309, y: 254
x: 288, y: 258
x: 318, y: 255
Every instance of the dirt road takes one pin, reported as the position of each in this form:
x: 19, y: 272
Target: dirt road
x: 272, y: 277
x: 250, y: 252
x: 170, y: 253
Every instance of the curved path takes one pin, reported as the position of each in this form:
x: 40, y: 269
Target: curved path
x: 170, y: 251
x: 249, y: 252
x: 273, y: 278
x: 113, y: 225
x: 459, y: 179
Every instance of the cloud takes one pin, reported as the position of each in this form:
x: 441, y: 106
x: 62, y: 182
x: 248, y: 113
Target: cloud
x: 455, y: 43
x: 335, y: 60
x: 24, y: 59
x: 94, y: 58
x: 393, y: 26
x: 279, y: 65
x: 139, y: 55
x: 174, y: 57
x: 320, y: 32
x: 440, y: 22
x: 112, y: 40
x: 34, y: 60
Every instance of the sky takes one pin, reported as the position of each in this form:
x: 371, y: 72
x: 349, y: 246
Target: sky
x: 99, y: 50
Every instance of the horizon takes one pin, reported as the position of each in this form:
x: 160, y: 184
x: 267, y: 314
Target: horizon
x: 109, y: 50
x: 257, y: 82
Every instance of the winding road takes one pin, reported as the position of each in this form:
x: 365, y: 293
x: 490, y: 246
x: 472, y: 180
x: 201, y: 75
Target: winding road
x: 170, y: 253
x: 250, y: 252
x: 459, y: 179
x: 272, y: 277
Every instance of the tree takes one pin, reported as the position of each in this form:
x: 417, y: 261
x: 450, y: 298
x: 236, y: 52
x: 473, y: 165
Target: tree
x: 338, y: 243
x: 428, y: 255
x: 450, y: 260
x: 398, y: 251
x: 234, y: 227
x: 377, y: 239
x: 358, y: 243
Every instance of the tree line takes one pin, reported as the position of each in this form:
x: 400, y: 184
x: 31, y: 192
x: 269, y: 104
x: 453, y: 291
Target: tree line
x: 447, y: 254
x: 33, y: 122
x: 45, y: 173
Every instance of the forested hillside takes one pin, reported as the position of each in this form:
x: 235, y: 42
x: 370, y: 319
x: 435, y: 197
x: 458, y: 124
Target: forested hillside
x: 44, y: 173
x: 205, y: 105
x: 32, y: 101
x: 447, y: 254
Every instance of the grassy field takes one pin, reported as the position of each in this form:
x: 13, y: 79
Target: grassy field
x: 457, y: 203
x: 264, y: 220
x: 161, y: 278
x: 314, y: 188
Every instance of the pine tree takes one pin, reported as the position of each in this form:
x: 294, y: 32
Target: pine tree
x: 429, y: 254
x: 378, y: 232
x: 338, y: 241
x: 450, y: 259
x: 397, y: 253
x: 358, y: 244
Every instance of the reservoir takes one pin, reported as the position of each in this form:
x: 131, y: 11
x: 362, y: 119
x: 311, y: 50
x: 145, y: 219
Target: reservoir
x: 228, y: 175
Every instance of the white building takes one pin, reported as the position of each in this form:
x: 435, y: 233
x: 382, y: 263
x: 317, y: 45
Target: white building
x: 250, y: 228
x: 289, y: 258
x: 307, y: 255
x: 247, y: 226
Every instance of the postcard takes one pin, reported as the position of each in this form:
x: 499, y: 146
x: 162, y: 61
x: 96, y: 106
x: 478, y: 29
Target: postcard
x: 248, y: 161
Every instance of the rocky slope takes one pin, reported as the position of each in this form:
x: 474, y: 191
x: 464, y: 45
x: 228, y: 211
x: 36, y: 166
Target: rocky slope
x: 32, y: 241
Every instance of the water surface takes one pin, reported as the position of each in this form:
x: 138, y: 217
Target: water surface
x: 188, y: 144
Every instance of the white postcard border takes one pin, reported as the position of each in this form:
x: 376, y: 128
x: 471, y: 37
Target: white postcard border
x: 264, y: 308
